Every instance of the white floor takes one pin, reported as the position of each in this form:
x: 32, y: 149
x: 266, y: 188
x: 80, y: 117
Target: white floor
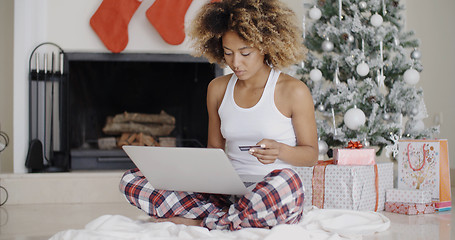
x: 40, y: 221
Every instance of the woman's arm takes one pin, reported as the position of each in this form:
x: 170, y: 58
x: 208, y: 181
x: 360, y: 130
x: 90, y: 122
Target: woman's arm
x: 293, y: 99
x: 215, y: 94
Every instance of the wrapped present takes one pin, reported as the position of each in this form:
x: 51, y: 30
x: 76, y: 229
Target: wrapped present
x: 408, y: 195
x: 346, y: 187
x: 424, y: 165
x: 348, y: 156
x: 443, y: 206
x: 410, y: 208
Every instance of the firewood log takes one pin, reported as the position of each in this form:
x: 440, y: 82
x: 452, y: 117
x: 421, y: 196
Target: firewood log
x: 136, y: 139
x: 162, y: 118
x: 150, y: 129
x: 150, y: 141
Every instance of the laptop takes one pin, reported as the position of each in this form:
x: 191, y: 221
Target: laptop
x: 204, y: 170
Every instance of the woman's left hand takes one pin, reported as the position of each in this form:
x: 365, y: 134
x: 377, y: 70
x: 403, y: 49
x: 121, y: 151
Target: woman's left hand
x: 268, y: 152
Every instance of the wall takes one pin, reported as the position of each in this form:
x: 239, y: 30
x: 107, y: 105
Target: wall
x: 432, y: 23
x: 6, y: 81
x: 68, y: 26
x: 65, y: 22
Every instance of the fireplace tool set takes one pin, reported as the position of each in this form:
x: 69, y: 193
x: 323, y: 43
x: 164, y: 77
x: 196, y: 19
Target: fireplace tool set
x: 46, y: 78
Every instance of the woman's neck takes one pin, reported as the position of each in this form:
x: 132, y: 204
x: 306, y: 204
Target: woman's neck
x: 258, y: 80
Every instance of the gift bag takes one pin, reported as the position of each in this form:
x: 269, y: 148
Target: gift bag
x: 424, y: 165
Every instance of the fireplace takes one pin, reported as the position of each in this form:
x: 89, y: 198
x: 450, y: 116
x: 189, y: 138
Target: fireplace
x: 99, y: 85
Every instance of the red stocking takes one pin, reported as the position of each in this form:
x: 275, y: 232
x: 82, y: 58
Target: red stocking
x: 111, y: 21
x: 168, y: 19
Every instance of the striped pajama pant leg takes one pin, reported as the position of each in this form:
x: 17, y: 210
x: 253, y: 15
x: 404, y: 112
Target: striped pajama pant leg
x: 165, y: 204
x: 276, y: 200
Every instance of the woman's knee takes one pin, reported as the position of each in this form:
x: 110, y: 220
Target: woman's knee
x: 287, y: 182
x: 289, y: 177
x: 129, y: 177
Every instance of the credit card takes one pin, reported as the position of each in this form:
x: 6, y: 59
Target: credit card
x: 247, y: 148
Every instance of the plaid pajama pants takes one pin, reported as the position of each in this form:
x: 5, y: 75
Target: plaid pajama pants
x: 276, y: 200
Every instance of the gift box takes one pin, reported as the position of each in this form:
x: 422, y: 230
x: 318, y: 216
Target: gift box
x: 410, y: 208
x: 408, y: 196
x: 346, y: 187
x: 348, y: 156
x: 424, y: 165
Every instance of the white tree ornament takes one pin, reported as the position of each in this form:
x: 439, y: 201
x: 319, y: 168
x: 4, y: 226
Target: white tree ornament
x: 362, y: 69
x: 376, y: 20
x: 315, y: 75
x: 354, y: 118
x: 392, y: 149
x: 327, y: 45
x: 315, y: 13
x: 411, y: 76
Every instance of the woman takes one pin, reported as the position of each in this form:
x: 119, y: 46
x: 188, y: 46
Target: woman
x: 256, y: 105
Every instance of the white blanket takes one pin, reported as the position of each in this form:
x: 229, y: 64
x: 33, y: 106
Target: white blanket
x: 330, y: 224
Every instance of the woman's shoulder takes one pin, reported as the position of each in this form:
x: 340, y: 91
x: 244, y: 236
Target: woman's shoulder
x: 221, y: 79
x: 292, y: 95
x: 219, y: 83
x: 217, y: 87
x: 292, y: 86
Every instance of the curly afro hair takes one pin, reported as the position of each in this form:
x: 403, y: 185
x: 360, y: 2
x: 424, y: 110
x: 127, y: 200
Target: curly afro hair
x: 267, y: 25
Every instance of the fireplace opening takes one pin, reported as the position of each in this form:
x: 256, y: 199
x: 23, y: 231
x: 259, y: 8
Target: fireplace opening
x: 101, y: 86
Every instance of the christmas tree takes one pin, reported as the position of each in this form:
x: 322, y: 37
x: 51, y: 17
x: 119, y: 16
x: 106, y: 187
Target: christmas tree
x: 362, y: 68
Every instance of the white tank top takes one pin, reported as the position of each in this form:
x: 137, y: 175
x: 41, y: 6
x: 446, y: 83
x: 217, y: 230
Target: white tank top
x: 247, y: 126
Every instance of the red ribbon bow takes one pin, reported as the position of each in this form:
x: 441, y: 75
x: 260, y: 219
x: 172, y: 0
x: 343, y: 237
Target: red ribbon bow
x: 352, y: 144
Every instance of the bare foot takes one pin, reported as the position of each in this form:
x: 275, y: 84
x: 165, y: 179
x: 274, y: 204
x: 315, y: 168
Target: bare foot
x: 180, y: 220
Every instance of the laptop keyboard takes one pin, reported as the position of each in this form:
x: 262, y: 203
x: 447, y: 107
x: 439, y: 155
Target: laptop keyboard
x: 247, y: 184
x: 250, y: 180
